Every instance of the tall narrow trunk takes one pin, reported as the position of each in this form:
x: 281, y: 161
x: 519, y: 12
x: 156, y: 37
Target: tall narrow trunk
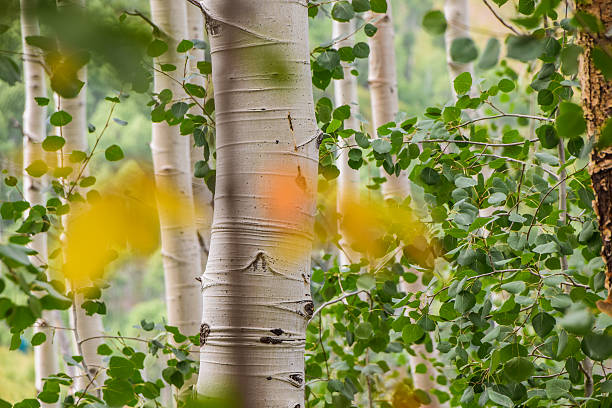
x: 597, y: 105
x: 87, y: 329
x: 345, y: 93
x: 382, y: 78
x: 202, y: 196
x: 34, y: 132
x: 256, y: 292
x: 457, y: 13
x: 383, y: 90
x: 171, y: 162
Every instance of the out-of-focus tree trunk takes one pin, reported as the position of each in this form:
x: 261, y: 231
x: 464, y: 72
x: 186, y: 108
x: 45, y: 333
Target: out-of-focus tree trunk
x: 345, y: 93
x: 34, y: 132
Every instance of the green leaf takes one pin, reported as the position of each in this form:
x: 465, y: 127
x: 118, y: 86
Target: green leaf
x: 570, y: 121
x: 514, y: 287
x: 205, y: 67
x: 605, y: 136
x: 575, y: 146
x: 578, y: 322
x: 184, y: 46
x: 411, y: 333
x: 38, y: 339
x: 381, y: 146
x: 361, y: 50
x: 37, y: 168
x: 9, y: 70
x: 370, y: 29
x: 53, y: 143
x: 490, y: 55
x: 526, y: 6
x: 496, y: 198
x: 465, y: 182
x: 156, y: 48
x: 366, y: 282
x: 41, y: 101
x: 547, y: 248
x: 434, y: 22
x: 464, y: 302
x: 113, y: 153
x: 463, y: 50
x: 117, y: 392
x: 557, y: 388
x: 569, y: 59
x: 506, y: 85
x: 543, y: 323
x: 524, y: 48
x: 361, y: 5
x: 379, y: 6
x: 364, y: 331
x: 328, y: 60
x: 547, y: 134
x: 179, y: 109
x: 500, y: 399
x: 60, y: 118
x: 603, y: 62
x: 597, y: 346
x: 343, y: 11
x: 120, y: 367
x: 104, y: 350
x: 429, y: 176
x: 519, y: 369
x: 463, y: 83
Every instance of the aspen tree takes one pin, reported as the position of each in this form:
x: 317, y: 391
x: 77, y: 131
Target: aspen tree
x: 171, y: 163
x: 457, y: 14
x: 382, y: 79
x: 256, y: 287
x: 202, y: 196
x: 34, y: 132
x: 597, y: 105
x: 87, y: 329
x: 345, y: 93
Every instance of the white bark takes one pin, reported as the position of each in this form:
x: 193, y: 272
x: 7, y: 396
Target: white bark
x: 34, y: 132
x: 202, y: 196
x: 256, y: 289
x: 87, y: 329
x: 382, y: 78
x: 383, y: 89
x: 457, y: 13
x: 345, y: 93
x: 171, y: 163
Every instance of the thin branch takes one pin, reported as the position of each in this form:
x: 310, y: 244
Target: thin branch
x: 470, y: 142
x: 501, y: 20
x: 551, y: 173
x: 503, y: 115
x: 334, y: 301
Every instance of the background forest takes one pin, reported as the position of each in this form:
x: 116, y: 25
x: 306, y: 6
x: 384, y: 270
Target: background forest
x: 456, y: 257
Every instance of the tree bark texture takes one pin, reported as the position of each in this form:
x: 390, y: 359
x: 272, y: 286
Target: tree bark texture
x: 171, y: 163
x: 256, y: 287
x: 34, y: 132
x: 597, y: 105
x: 345, y: 93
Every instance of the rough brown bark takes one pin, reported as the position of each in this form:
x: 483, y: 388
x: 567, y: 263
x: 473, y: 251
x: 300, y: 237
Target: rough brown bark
x: 597, y: 105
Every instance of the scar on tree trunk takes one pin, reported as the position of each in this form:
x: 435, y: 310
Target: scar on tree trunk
x: 597, y: 103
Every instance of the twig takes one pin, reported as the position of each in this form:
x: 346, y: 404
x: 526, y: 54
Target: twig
x: 333, y: 301
x: 502, y: 115
x: 478, y: 143
x: 156, y: 29
x: 501, y: 20
x: 551, y: 173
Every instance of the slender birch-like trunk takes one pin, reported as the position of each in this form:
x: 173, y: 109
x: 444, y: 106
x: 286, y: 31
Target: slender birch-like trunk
x: 383, y: 89
x: 345, y: 93
x: 34, y: 132
x: 87, y: 329
x: 597, y: 105
x: 457, y: 14
x: 171, y: 163
x: 202, y: 196
x: 256, y: 287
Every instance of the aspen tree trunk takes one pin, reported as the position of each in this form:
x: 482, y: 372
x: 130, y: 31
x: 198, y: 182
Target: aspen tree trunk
x: 34, y: 132
x: 457, y: 14
x: 87, y: 329
x: 256, y: 287
x: 383, y: 89
x: 345, y: 93
x: 597, y: 105
x: 382, y: 78
x: 171, y: 162
x: 202, y: 196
